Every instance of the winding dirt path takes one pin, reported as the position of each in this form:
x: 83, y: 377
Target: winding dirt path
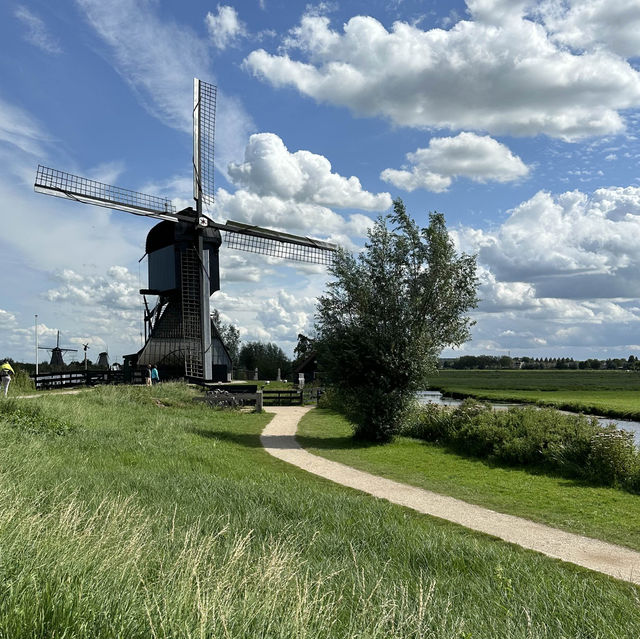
x: 278, y: 438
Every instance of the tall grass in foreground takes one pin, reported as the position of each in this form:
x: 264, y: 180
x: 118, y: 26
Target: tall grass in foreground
x: 102, y: 573
x: 169, y: 520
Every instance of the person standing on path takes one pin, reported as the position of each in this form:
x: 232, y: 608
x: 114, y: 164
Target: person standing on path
x: 147, y: 375
x: 6, y: 371
x: 155, y: 377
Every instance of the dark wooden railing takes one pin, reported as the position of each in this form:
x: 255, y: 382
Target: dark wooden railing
x: 66, y: 379
x: 281, y: 397
x: 69, y: 379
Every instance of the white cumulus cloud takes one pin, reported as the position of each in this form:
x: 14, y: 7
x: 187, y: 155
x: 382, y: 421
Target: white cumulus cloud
x: 569, y: 246
x: 225, y: 28
x: 296, y: 192
x: 116, y: 290
x: 269, y: 168
x: 589, y: 24
x: 500, y: 72
x: 479, y: 158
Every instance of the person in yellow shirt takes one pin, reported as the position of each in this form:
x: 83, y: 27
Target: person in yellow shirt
x: 6, y: 373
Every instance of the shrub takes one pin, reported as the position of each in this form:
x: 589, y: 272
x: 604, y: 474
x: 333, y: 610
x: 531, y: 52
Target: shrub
x: 613, y: 459
x: 633, y: 482
x: 21, y: 382
x: 573, y: 445
x: 430, y: 423
x: 480, y: 435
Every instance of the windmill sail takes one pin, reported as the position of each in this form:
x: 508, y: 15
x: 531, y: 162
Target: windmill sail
x: 204, y: 128
x: 80, y: 189
x: 255, y: 239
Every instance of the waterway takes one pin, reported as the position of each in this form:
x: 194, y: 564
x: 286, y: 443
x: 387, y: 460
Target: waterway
x: 436, y: 397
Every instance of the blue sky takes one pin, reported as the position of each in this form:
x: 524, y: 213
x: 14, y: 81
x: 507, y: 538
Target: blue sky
x: 518, y: 120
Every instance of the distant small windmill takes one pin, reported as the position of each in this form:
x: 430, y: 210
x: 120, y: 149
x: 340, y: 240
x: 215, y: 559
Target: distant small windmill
x: 103, y: 360
x: 183, y: 253
x: 56, y: 352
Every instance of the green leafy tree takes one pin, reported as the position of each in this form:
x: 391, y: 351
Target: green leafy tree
x: 267, y: 358
x: 304, y: 348
x: 387, y: 315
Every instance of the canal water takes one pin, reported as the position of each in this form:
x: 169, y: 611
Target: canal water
x: 435, y: 397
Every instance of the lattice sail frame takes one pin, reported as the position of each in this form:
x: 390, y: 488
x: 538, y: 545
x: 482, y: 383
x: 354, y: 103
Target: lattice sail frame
x: 81, y: 189
x: 204, y: 128
x: 267, y: 242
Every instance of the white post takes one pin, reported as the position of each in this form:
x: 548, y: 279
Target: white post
x: 36, y: 349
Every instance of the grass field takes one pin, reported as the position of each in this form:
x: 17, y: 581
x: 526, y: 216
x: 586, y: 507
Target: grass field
x: 604, y: 513
x: 130, y: 512
x: 609, y: 393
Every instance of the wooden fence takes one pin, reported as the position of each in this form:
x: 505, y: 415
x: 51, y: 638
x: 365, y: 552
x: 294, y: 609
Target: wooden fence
x: 66, y: 379
x: 282, y: 397
x: 69, y: 379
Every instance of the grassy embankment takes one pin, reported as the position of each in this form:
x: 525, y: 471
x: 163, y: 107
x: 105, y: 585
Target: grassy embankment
x: 609, y: 514
x: 608, y: 393
x: 129, y: 512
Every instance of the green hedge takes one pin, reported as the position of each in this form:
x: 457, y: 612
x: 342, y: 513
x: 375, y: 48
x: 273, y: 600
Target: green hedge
x: 572, y: 445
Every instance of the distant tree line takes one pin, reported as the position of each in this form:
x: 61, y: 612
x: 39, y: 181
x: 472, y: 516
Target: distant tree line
x: 483, y: 362
x: 269, y: 357
x: 266, y: 357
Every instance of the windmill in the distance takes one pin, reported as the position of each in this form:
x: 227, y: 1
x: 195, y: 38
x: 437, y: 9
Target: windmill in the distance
x: 183, y: 253
x: 103, y: 360
x: 56, y: 352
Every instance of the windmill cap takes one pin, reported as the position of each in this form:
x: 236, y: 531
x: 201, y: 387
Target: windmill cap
x: 168, y: 233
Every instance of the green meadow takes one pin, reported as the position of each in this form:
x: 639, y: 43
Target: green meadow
x: 574, y: 505
x: 133, y: 512
x: 609, y: 393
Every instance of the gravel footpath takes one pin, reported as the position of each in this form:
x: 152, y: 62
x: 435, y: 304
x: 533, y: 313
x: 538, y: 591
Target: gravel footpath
x: 278, y: 438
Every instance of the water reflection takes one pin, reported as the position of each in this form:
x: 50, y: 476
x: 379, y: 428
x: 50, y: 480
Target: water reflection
x: 435, y: 397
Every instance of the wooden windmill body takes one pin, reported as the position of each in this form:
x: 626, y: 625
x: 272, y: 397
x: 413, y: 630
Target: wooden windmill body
x: 183, y: 254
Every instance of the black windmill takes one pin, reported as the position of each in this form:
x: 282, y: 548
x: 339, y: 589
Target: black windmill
x: 56, y: 352
x: 183, y: 252
x: 103, y: 360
